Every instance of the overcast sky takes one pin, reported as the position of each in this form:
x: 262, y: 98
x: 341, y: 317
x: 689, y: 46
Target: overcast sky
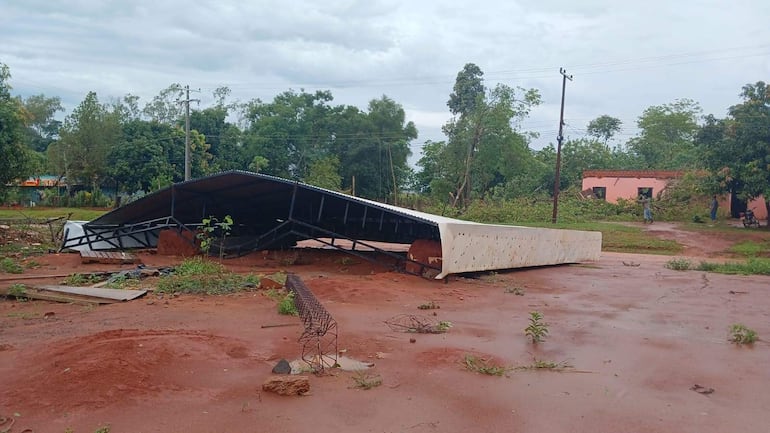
x: 624, y: 55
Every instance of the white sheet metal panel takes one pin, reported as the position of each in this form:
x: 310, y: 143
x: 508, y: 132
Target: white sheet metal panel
x: 473, y: 247
x: 74, y: 229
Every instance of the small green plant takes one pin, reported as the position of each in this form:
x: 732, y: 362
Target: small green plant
x: 18, y: 291
x: 286, y: 305
x: 429, y: 306
x: 10, y: 266
x: 364, y: 380
x: 697, y: 219
x: 443, y: 326
x: 484, y: 366
x: 740, y: 334
x: 82, y: 280
x: 518, y: 291
x: 208, y: 231
x: 539, y: 364
x: 537, y: 329
x: 105, y: 429
x: 678, y: 264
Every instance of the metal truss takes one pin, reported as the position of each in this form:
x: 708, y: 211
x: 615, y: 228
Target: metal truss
x: 319, y: 339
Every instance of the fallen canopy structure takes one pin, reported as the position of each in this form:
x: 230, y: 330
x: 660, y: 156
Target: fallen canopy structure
x: 270, y: 212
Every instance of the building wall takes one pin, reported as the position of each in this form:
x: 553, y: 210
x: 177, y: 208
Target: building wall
x: 625, y: 187
x: 628, y: 188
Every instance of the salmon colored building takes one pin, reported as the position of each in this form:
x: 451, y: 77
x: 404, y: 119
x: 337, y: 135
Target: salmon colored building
x: 611, y: 185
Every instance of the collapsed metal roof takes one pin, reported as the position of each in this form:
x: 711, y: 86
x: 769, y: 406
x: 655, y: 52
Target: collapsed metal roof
x: 271, y: 212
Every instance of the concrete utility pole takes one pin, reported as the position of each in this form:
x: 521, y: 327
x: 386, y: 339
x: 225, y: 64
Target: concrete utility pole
x: 559, y: 139
x: 186, y: 101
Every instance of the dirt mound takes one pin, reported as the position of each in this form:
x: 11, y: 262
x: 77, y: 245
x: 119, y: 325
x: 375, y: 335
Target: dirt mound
x: 116, y: 366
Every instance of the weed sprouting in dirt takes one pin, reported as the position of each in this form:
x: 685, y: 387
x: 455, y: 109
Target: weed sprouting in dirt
x: 741, y: 334
x: 366, y: 381
x: 429, y: 306
x: 483, y: 366
x: 518, y: 291
x: 537, y: 330
x: 539, y: 364
x: 200, y: 276
x: 286, y: 305
x: 18, y: 291
x: 678, y: 264
x: 10, y: 266
x: 752, y: 266
x: 81, y: 280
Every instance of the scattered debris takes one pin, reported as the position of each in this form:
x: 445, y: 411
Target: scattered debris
x: 701, y: 389
x: 366, y: 381
x: 287, y: 385
x: 282, y: 367
x: 429, y: 306
x: 108, y: 257
x: 518, y: 291
x: 418, y: 324
x: 636, y: 265
x: 279, y: 325
x: 75, y: 295
x: 736, y: 292
x: 412, y: 340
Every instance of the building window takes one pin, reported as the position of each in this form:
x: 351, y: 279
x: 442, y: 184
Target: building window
x: 644, y: 192
x: 600, y: 192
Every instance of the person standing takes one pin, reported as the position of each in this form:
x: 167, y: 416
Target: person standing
x: 647, y: 205
x: 714, y: 207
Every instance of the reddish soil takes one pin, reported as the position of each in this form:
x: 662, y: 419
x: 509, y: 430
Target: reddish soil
x: 639, y: 337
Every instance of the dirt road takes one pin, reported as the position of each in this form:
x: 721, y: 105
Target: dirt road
x: 637, y: 335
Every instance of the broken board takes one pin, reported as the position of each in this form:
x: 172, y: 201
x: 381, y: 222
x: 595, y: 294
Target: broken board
x: 108, y: 295
x: 108, y: 257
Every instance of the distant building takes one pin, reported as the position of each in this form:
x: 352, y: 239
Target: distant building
x: 611, y: 185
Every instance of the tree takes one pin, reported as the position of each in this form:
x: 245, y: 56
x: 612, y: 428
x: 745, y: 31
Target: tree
x: 604, y: 128
x: 165, y: 107
x: 484, y: 138
x: 87, y: 136
x: 737, y: 149
x: 468, y: 90
x: 667, y: 134
x: 42, y: 128
x: 325, y: 173
x: 13, y: 163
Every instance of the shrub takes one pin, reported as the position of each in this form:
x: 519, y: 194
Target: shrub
x: 678, y: 264
x: 740, y: 334
x: 10, y: 266
x: 286, y: 305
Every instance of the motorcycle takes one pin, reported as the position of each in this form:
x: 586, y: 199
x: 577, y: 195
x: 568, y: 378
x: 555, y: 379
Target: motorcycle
x: 748, y: 219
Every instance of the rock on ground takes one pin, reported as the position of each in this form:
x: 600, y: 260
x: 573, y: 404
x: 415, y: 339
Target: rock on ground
x: 287, y: 385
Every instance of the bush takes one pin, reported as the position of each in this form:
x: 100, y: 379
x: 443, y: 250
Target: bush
x: 678, y: 264
x: 199, y: 276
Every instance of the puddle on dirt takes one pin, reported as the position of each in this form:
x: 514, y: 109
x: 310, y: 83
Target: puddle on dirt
x: 344, y: 363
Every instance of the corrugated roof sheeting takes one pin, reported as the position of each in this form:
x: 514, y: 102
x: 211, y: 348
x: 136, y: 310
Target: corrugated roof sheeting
x: 259, y: 203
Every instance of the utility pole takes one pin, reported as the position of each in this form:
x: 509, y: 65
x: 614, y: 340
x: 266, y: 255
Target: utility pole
x: 186, y: 101
x: 559, y: 140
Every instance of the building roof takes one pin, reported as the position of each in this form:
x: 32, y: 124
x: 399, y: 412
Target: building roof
x: 647, y: 174
x: 280, y: 212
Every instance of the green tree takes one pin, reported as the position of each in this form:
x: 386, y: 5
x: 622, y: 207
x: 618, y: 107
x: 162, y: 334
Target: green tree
x: 484, y: 138
x: 737, y: 149
x: 468, y: 91
x: 87, y: 136
x: 325, y: 173
x: 42, y: 128
x: 666, y: 137
x: 604, y: 128
x: 165, y: 107
x: 13, y: 163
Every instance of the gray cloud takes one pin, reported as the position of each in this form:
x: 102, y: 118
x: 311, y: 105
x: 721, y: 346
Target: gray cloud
x: 625, y: 56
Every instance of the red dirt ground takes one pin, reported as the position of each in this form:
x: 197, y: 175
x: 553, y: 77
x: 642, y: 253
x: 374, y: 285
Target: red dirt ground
x: 639, y: 337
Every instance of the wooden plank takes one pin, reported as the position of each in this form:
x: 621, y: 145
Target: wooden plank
x: 97, y: 292
x: 108, y: 257
x: 44, y: 295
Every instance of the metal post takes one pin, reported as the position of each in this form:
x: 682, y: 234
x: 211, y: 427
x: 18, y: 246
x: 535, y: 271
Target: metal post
x: 559, y: 140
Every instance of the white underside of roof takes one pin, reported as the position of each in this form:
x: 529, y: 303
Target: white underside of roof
x: 468, y: 246
x: 473, y: 247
